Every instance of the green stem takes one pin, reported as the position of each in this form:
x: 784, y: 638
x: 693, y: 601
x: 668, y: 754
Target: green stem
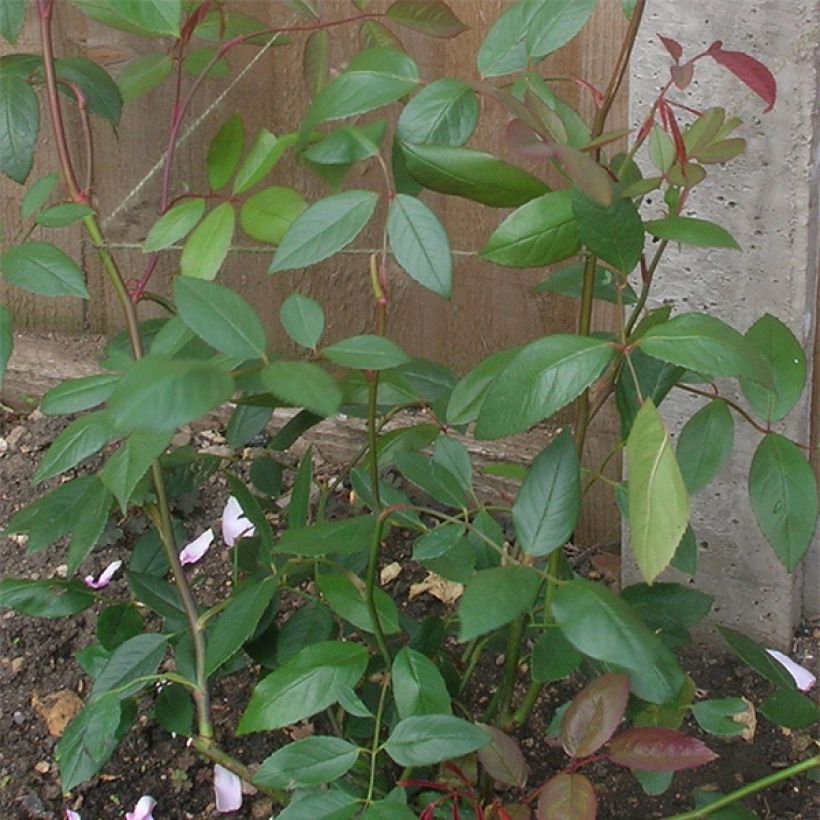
x: 647, y: 284
x: 750, y: 789
x: 370, y: 591
x: 373, y: 440
x: 377, y: 730
x: 500, y: 704
x: 529, y: 700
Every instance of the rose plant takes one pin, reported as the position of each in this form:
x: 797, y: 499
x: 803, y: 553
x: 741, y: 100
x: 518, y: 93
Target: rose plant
x: 398, y: 738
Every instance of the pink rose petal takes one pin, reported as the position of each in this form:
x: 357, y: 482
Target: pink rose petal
x: 143, y: 809
x: 227, y: 789
x: 194, y: 551
x: 802, y: 677
x: 105, y: 576
x: 72, y: 815
x: 234, y: 523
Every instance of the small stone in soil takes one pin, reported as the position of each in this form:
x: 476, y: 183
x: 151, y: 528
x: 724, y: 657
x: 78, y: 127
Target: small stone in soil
x: 19, y: 718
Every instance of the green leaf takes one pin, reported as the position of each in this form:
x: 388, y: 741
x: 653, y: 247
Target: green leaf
x: 388, y: 810
x: 704, y: 444
x: 303, y: 384
x: 348, y: 145
x: 246, y: 422
x: 443, y: 113
x: 174, y: 224
x: 375, y: 77
x: 495, y: 597
x: 61, y: 215
x: 553, y: 657
x: 132, y: 460
x: 303, y: 685
x: 206, y: 248
x: 346, y: 537
x: 307, y: 762
x: 542, y: 378
x: 225, y: 151
x: 45, y: 599
x: 366, y: 353
x: 432, y: 17
x: 39, y: 267
x: 454, y: 457
x: 504, y: 49
x: 613, y: 233
x: 785, y: 368
x: 143, y: 74
x: 269, y: 213
x: 221, y: 317
x: 264, y: 154
x: 469, y: 394
x: 662, y: 152
x: 420, y: 244
x: 548, y: 503
x: 599, y: 624
x: 539, y: 233
x: 136, y: 658
x: 375, y: 35
x: 715, y: 716
x: 569, y: 282
x: 299, y: 506
x: 658, y: 500
x: 783, y: 494
x: 12, y: 17
x: 422, y: 740
x: 303, y: 320
x: 347, y: 599
x: 149, y: 18
x: 237, y: 621
x: 310, y: 624
x: 323, y: 229
x: 316, y: 61
x: 81, y: 439
x: 88, y: 742
x: 418, y: 686
x: 669, y: 610
x: 701, y: 343
x: 760, y: 660
x: 555, y: 23
x: 174, y: 710
x: 690, y: 231
x: 102, y: 96
x: 6, y: 340
x: 471, y: 174
x: 19, y: 126
x: 118, y: 623
x: 38, y: 194
x: 432, y: 478
x: 197, y: 61
x: 158, y: 595
x: 158, y: 394
x: 790, y: 709
x: 322, y: 805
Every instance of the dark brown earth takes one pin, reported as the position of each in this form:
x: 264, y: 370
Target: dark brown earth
x: 36, y: 663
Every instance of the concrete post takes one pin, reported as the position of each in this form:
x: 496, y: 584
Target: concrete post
x: 768, y: 200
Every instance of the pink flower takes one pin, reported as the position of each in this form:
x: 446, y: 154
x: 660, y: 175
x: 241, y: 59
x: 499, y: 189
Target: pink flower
x: 194, y: 551
x: 72, y: 815
x: 802, y: 677
x: 105, y: 576
x: 227, y: 790
x: 234, y: 523
x: 143, y: 809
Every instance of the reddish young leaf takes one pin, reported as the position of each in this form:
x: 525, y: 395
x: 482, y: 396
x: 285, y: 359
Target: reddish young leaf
x: 594, y: 715
x: 433, y: 17
x: 567, y: 797
x: 655, y: 749
x: 503, y: 759
x: 670, y: 125
x: 749, y: 71
x: 673, y: 47
x: 587, y: 174
x: 513, y: 811
x: 682, y: 74
x: 525, y: 141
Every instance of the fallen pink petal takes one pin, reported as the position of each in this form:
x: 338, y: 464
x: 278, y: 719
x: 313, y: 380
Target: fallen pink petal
x: 72, y: 815
x: 142, y: 811
x: 105, y: 576
x: 234, y: 523
x: 802, y: 677
x: 194, y: 551
x: 227, y: 789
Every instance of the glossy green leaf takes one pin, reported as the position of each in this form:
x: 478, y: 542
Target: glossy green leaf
x: 310, y: 624
x: 548, y: 503
x: 504, y: 49
x: 613, y: 233
x: 494, y: 598
x: 38, y: 194
x: 691, y: 231
x: 269, y: 213
x: 655, y: 379
x: 81, y: 439
x: 348, y: 144
x: 599, y: 624
x: 346, y: 537
x: 432, y: 17
x: 225, y: 151
x: 136, y: 658
x: 756, y: 657
x: 347, y: 599
x: 541, y: 232
x: 443, y: 113
x: 307, y: 762
x: 454, y: 457
x: 102, y: 96
x: 542, y: 378
x: 785, y: 368
x: 783, y: 494
x: 366, y: 353
x: 45, y: 599
x: 303, y: 320
x: 201, y: 61
x: 299, y: 506
x: 471, y: 174
x: 438, y: 482
x: 316, y: 61
x: 160, y: 596
x: 420, y: 244
x: 19, y: 125
x: 143, y: 74
x: 669, y: 610
x: 303, y: 685
x: 6, y: 340
x: 174, y: 710
x: 221, y: 317
x: 158, y: 394
x: 246, y: 423
x: 662, y: 152
x: 422, y: 740
x: 131, y: 461
x: 174, y: 224
x: 555, y: 23
x: 553, y: 657
x: 375, y: 35
x: 569, y: 282
x: 12, y: 17
x: 59, y: 216
x: 790, y: 709
x: 118, y: 623
x: 388, y: 810
x: 418, y: 686
x: 207, y: 246
x: 39, y: 267
x: 303, y: 384
x: 704, y: 444
x: 264, y: 154
x: 150, y: 18
x: 715, y: 716
x: 469, y: 394
x: 330, y: 804
x: 324, y: 228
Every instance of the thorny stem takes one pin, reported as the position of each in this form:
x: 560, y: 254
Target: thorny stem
x: 750, y: 789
